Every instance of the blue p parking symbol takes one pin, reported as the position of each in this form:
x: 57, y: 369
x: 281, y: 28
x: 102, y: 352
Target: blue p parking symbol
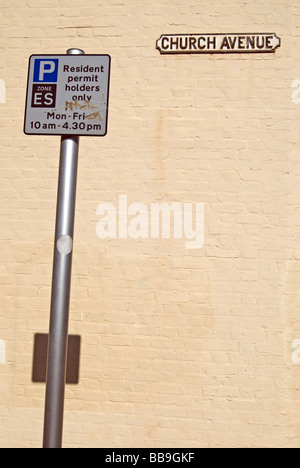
x: 45, y: 70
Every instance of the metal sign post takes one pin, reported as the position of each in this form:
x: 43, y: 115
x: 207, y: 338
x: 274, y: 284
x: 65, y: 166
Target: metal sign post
x: 61, y: 284
x: 67, y: 95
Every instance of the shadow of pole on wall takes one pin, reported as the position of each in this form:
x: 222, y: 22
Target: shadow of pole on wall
x: 39, y: 364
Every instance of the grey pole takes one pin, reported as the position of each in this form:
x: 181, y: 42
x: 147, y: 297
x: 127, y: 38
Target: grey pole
x: 61, y: 284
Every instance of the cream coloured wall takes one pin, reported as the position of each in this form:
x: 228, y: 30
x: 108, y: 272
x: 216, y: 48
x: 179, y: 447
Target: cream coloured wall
x: 179, y: 348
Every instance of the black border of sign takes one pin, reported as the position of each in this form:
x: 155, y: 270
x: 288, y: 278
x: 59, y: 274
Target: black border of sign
x: 218, y: 51
x: 67, y: 134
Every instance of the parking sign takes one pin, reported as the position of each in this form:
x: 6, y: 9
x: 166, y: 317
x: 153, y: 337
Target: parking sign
x: 67, y: 95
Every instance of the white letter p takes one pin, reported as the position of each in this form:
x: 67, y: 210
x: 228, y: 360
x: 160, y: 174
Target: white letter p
x: 46, y: 66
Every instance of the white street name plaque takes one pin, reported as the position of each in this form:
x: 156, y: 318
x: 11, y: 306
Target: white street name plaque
x: 67, y: 95
x: 218, y: 43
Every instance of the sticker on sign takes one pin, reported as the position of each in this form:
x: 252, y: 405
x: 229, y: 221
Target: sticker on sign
x: 67, y: 95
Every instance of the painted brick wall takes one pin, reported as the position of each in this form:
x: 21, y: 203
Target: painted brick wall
x: 179, y: 348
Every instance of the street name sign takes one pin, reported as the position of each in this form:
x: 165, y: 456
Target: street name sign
x: 67, y: 95
x: 218, y: 43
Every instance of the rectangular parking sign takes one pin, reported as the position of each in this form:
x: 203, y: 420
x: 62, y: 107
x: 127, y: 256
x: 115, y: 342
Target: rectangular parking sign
x: 67, y: 95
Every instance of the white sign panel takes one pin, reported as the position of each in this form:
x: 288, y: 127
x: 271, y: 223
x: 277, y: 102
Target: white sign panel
x: 67, y: 95
x: 218, y: 43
